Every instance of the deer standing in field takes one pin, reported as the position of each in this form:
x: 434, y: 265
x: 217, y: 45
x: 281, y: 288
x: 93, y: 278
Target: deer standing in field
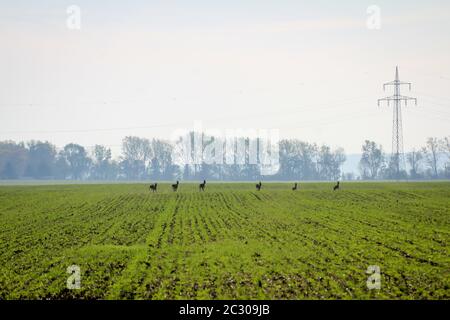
x: 294, y: 187
x: 154, y: 187
x: 201, y: 186
x: 175, y: 186
x: 336, y: 187
x: 258, y: 186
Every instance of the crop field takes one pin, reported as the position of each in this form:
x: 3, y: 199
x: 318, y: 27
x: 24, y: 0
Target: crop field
x: 229, y: 242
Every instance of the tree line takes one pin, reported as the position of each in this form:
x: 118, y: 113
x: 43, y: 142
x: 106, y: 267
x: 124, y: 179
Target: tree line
x: 432, y: 161
x: 152, y: 159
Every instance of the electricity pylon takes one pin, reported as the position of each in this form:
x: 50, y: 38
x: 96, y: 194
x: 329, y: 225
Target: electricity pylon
x: 397, y: 156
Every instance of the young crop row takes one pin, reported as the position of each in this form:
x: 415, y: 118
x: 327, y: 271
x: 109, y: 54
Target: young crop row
x: 227, y: 242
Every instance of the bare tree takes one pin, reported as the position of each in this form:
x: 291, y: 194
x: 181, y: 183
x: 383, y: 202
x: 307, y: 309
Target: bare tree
x: 431, y: 152
x: 372, y: 160
x: 161, y: 165
x: 415, y: 160
x: 77, y: 160
x: 41, y: 159
x: 137, y: 153
x: 445, y: 148
x: 13, y: 159
x: 101, y: 162
x: 329, y: 163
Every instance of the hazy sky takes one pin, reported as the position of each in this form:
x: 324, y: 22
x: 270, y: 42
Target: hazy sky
x: 312, y: 69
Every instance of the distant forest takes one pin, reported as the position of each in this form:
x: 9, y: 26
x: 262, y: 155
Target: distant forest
x: 151, y: 160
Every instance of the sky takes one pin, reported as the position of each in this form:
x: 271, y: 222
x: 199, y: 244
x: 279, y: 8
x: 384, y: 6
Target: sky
x: 311, y: 69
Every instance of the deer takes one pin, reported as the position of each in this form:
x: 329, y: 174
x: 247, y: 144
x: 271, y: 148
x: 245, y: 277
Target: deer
x: 258, y: 186
x: 153, y: 187
x: 336, y: 187
x: 294, y: 187
x: 175, y: 186
x: 201, y: 186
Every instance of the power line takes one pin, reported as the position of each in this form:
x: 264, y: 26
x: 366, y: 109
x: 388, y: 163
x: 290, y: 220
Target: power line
x: 397, y: 128
x: 331, y: 121
x: 433, y: 96
x: 434, y: 115
x: 258, y: 115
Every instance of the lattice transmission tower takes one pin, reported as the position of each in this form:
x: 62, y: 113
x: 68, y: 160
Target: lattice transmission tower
x: 397, y: 156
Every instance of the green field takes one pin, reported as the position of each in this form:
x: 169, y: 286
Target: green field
x: 230, y: 242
